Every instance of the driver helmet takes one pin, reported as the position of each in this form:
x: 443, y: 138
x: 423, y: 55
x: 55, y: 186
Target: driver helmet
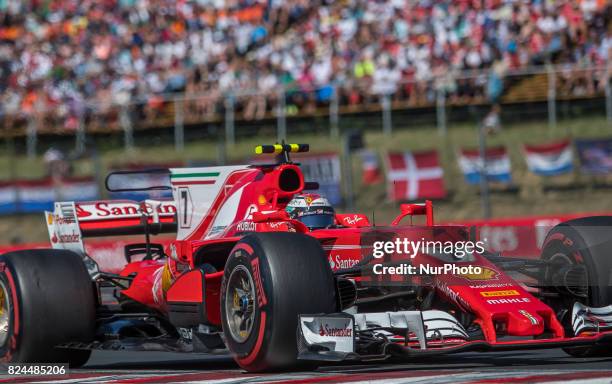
x: 312, y: 209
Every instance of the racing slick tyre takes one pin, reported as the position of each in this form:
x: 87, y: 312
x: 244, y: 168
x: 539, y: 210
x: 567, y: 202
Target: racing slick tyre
x: 46, y: 298
x: 583, y: 242
x: 269, y: 279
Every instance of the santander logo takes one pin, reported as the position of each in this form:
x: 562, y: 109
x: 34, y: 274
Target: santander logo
x: 111, y: 209
x: 331, y: 331
x: 321, y: 330
x: 81, y: 212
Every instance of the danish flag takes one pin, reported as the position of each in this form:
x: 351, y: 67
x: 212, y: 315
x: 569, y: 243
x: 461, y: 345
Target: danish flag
x: 414, y: 175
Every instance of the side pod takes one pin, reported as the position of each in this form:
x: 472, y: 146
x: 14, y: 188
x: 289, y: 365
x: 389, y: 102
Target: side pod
x: 185, y: 300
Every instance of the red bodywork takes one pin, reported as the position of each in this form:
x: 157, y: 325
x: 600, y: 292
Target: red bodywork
x: 497, y: 301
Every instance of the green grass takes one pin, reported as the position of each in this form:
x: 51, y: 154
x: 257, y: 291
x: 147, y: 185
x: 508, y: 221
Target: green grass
x: 403, y: 138
x: 463, y: 201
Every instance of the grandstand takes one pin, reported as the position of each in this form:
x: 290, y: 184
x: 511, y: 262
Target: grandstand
x: 70, y: 65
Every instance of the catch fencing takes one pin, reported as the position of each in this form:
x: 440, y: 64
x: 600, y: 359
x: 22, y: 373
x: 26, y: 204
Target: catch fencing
x: 547, y: 92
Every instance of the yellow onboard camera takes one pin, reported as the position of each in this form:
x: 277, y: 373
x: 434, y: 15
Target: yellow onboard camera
x: 277, y: 149
x: 281, y: 151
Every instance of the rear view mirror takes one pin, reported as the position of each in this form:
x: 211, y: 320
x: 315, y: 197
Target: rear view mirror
x: 144, y: 180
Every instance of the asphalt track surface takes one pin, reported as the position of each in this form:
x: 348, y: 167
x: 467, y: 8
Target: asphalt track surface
x: 546, y: 366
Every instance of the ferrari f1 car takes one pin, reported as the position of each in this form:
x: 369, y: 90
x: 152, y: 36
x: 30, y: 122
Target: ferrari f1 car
x: 242, y: 276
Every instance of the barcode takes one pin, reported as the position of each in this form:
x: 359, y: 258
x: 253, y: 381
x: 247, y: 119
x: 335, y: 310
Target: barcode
x: 67, y: 210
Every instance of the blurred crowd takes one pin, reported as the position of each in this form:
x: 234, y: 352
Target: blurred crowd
x: 67, y: 58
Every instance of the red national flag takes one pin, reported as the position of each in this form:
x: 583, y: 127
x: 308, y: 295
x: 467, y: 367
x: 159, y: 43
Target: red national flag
x: 414, y: 175
x: 371, y: 167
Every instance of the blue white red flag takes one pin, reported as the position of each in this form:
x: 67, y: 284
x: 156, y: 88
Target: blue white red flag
x: 39, y: 195
x: 496, y: 165
x: 370, y: 166
x: 550, y: 159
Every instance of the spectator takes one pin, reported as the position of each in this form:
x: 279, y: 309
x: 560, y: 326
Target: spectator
x: 63, y: 55
x: 57, y: 166
x: 492, y: 122
x: 386, y: 77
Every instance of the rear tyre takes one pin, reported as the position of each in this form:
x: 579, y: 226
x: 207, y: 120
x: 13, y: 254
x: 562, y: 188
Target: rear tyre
x: 269, y: 279
x: 587, y: 242
x: 46, y: 298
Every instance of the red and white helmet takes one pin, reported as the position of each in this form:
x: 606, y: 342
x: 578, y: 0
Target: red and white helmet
x: 312, y: 209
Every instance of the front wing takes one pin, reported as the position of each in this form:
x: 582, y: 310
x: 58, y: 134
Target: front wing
x: 411, y: 334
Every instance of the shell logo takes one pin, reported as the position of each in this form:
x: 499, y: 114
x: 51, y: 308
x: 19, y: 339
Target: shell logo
x: 261, y: 200
x: 485, y: 274
x: 308, y: 200
x: 166, y: 278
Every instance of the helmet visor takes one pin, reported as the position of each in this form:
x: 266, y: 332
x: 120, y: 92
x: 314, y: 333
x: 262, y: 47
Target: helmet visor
x: 323, y: 220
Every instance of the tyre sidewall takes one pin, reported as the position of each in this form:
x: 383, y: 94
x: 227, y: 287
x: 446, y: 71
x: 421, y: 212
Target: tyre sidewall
x: 570, y: 241
x: 8, y: 349
x: 566, y: 240
x: 52, y: 302
x: 247, y: 254
x: 292, y: 276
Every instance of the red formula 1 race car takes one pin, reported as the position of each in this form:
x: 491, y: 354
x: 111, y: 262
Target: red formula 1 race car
x: 268, y: 272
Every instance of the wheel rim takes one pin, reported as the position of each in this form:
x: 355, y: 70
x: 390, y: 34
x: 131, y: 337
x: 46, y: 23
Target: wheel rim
x: 240, y: 304
x: 561, y: 256
x: 581, y: 287
x: 5, y: 313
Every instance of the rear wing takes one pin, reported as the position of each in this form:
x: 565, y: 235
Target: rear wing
x: 70, y: 222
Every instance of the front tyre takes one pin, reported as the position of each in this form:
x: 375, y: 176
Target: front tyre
x: 584, y: 242
x: 269, y: 279
x: 46, y: 298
